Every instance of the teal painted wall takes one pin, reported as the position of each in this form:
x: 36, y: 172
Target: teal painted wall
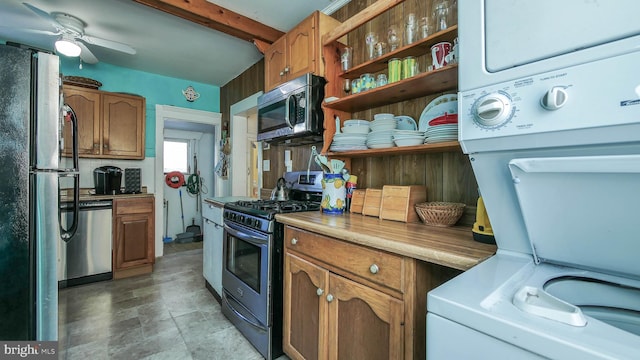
x: 156, y: 89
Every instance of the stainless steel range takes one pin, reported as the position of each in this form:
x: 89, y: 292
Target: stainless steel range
x: 253, y: 252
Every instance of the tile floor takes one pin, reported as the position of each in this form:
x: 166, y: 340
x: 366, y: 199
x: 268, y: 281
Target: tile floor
x: 168, y: 314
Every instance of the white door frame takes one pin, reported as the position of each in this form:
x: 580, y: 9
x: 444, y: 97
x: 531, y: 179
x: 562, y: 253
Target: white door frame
x: 238, y: 134
x: 173, y: 112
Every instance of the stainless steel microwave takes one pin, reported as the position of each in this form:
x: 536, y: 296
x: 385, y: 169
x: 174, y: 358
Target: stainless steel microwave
x: 292, y: 112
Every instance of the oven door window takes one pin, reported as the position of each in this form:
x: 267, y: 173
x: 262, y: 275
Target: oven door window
x: 244, y: 260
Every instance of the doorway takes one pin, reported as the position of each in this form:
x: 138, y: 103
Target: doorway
x: 246, y: 151
x: 184, y: 121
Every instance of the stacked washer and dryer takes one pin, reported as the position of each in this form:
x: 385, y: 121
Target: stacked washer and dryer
x: 549, y: 114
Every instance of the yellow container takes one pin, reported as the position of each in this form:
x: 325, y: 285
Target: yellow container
x: 409, y: 67
x: 395, y: 70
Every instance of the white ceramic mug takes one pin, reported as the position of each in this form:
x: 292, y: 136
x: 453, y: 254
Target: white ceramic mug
x: 439, y: 52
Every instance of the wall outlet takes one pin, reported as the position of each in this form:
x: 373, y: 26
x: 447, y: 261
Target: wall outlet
x: 266, y: 165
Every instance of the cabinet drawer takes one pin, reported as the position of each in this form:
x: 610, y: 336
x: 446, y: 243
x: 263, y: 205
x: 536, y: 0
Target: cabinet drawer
x: 377, y: 266
x: 212, y: 212
x: 133, y: 206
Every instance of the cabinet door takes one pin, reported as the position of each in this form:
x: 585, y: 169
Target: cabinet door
x: 363, y: 323
x: 86, y: 104
x: 134, y: 240
x: 305, y: 309
x: 274, y: 64
x: 123, y: 126
x: 207, y: 251
x: 301, y: 48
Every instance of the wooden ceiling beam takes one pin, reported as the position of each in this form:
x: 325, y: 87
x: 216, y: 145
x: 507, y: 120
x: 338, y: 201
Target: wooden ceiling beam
x: 216, y: 17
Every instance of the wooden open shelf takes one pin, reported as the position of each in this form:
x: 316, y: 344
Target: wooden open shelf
x: 423, y: 84
x: 418, y: 48
x: 447, y: 146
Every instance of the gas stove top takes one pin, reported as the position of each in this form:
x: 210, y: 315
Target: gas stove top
x: 260, y: 214
x: 268, y: 208
x: 305, y: 194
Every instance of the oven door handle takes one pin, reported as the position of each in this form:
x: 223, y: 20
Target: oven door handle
x: 237, y: 232
x: 241, y: 316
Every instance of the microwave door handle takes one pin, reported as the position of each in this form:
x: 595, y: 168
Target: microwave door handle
x: 287, y: 113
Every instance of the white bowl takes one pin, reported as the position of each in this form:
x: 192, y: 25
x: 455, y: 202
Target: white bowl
x: 408, y: 141
x: 355, y: 130
x: 356, y: 122
x: 383, y: 116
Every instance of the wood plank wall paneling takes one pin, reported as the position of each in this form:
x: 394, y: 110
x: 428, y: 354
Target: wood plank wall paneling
x: 448, y: 176
x: 246, y: 84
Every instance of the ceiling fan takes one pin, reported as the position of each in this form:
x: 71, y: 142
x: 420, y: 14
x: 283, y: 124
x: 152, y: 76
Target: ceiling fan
x: 71, y: 39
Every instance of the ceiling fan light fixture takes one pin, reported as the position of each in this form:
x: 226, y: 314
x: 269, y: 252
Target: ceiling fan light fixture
x: 67, y: 47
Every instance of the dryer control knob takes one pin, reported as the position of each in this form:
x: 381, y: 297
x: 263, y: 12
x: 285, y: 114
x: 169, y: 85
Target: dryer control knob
x: 493, y: 110
x: 555, y: 98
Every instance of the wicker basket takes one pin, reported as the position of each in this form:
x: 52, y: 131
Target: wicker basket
x: 440, y: 213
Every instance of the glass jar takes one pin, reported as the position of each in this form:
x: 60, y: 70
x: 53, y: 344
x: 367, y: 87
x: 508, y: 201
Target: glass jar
x: 410, y: 29
x: 395, y: 69
x: 441, y: 15
x: 381, y: 80
x: 409, y: 67
x: 424, y: 27
x: 393, y: 37
x: 370, y: 40
x: 345, y: 58
x: 367, y: 82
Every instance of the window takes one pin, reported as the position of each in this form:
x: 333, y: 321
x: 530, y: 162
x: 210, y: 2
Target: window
x: 176, y: 155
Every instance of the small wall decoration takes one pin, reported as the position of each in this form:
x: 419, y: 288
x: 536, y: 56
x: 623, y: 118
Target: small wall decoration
x: 190, y: 94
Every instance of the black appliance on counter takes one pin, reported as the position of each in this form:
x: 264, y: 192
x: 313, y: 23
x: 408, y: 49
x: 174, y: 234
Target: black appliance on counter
x: 253, y: 252
x: 107, y: 180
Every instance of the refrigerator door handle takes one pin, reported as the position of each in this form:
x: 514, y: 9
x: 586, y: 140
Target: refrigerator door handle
x: 74, y: 134
x: 67, y: 234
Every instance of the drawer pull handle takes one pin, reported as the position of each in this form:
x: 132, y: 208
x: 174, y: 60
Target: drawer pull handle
x: 329, y: 298
x: 319, y: 292
x: 374, y: 268
x: 294, y: 241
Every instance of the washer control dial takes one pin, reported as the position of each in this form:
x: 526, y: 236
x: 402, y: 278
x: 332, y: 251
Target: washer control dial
x: 555, y: 98
x: 493, y: 110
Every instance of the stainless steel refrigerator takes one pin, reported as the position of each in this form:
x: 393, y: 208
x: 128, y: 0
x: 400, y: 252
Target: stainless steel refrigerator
x: 32, y: 117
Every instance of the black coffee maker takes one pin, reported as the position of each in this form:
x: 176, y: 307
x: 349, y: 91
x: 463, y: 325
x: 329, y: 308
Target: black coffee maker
x: 107, y: 180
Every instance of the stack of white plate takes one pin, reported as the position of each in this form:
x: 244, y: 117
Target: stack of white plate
x: 383, y: 122
x: 440, y: 133
x: 346, y: 142
x: 380, y: 139
x: 408, y: 137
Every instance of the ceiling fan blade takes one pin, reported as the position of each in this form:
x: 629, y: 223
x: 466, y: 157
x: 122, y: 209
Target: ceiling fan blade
x: 108, y: 44
x: 45, y: 15
x: 86, y: 55
x: 13, y: 29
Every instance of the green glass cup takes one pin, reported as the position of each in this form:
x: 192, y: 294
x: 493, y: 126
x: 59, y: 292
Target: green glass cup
x: 395, y: 70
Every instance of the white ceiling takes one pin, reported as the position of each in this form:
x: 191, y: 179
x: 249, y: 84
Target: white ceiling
x: 165, y: 44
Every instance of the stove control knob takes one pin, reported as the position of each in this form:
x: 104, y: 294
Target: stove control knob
x: 555, y: 98
x: 294, y: 241
x: 493, y: 110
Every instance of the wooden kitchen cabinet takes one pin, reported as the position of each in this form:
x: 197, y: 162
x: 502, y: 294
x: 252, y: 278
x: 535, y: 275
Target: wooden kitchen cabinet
x: 297, y: 52
x: 133, y: 236
x: 110, y: 125
x: 346, y: 301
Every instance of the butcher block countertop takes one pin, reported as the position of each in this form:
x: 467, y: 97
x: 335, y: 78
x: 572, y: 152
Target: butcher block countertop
x: 452, y: 247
